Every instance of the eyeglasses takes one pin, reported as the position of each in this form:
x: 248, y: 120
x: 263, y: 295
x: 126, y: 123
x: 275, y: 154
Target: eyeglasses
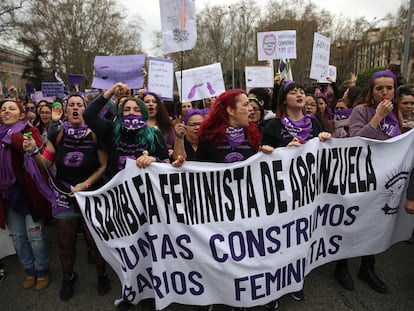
x: 45, y: 112
x: 193, y: 124
x: 407, y: 103
x: 312, y: 104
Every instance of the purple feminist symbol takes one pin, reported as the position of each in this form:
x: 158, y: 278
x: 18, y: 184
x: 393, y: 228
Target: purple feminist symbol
x: 192, y: 92
x: 210, y: 88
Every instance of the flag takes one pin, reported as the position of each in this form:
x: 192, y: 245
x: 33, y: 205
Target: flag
x: 178, y: 24
x: 285, y: 70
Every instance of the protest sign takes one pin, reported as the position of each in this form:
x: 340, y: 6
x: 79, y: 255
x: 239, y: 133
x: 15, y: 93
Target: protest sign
x: 178, y: 24
x: 259, y: 76
x: 123, y: 68
x: 246, y: 233
x: 161, y: 77
x: 320, y: 57
x: 276, y: 45
x: 201, y: 82
x: 331, y: 74
x: 50, y: 89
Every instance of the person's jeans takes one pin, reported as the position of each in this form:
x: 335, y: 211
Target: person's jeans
x: 29, y: 240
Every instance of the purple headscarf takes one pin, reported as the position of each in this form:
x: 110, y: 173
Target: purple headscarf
x: 382, y: 73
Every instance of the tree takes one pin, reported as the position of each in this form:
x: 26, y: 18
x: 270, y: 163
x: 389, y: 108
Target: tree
x: 70, y: 33
x: 8, y: 10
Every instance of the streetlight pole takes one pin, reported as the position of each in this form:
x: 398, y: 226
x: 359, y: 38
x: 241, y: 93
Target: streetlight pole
x: 406, y: 57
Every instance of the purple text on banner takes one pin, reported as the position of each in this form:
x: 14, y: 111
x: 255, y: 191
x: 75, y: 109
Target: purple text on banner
x: 50, y: 89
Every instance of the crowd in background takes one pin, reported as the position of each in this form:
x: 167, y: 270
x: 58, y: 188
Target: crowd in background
x: 78, y: 143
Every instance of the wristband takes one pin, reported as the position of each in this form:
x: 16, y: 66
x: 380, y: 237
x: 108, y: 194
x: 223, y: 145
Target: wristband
x: 34, y: 152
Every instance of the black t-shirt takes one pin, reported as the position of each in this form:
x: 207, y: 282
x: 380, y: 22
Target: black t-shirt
x: 276, y: 135
x: 76, y: 158
x: 223, y: 152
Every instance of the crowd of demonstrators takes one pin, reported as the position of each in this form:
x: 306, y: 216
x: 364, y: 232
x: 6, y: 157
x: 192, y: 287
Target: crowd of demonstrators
x: 88, y: 145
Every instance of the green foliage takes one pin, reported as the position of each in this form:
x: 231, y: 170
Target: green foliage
x: 365, y: 75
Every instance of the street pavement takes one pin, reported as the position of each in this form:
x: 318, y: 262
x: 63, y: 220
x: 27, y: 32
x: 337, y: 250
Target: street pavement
x: 395, y: 266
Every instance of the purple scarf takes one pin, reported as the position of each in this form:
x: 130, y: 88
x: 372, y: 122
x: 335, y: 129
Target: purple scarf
x: 75, y: 132
x: 235, y: 136
x: 133, y: 122
x: 298, y: 129
x: 7, y: 177
x: 32, y: 169
x: 389, y: 125
x: 342, y: 114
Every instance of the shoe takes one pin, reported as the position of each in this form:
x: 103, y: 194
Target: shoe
x: 298, y: 296
x: 66, y: 292
x: 29, y: 281
x: 368, y: 276
x: 103, y: 284
x: 42, y: 282
x: 123, y: 306
x: 344, y: 279
x: 2, y: 275
x: 273, y: 305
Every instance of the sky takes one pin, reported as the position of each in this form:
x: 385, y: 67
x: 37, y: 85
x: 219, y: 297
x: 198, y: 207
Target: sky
x: 149, y: 10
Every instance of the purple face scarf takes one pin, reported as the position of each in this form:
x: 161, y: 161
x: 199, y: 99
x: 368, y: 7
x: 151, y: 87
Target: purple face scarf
x: 75, y: 132
x: 235, y: 136
x: 300, y: 129
x: 342, y: 114
x: 133, y: 122
x: 389, y: 125
x: 7, y: 177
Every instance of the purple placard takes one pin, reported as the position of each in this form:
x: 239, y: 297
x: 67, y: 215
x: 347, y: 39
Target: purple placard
x: 75, y: 79
x: 109, y: 70
x: 50, y: 89
x: 29, y: 88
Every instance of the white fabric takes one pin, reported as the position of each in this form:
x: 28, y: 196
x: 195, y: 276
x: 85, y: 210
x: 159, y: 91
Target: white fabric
x: 6, y: 244
x: 246, y: 233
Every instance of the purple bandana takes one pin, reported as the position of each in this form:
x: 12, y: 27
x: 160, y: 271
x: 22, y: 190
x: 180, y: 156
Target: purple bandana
x: 75, y: 131
x: 389, y: 125
x: 235, y: 136
x: 300, y: 129
x: 133, y: 122
x: 342, y: 114
x: 7, y: 177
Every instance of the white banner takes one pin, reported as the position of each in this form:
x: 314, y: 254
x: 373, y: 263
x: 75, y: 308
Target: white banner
x: 246, y: 233
x: 331, y: 74
x: 199, y: 83
x: 178, y: 24
x: 320, y: 57
x: 276, y: 45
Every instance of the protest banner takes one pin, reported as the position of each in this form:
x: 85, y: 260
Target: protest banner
x: 320, y: 57
x: 75, y: 80
x: 178, y: 25
x: 119, y: 68
x: 201, y: 82
x: 259, y: 76
x: 276, y: 45
x: 161, y: 77
x: 50, y: 89
x: 245, y: 233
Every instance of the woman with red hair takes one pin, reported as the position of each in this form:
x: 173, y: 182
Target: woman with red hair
x: 227, y: 135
